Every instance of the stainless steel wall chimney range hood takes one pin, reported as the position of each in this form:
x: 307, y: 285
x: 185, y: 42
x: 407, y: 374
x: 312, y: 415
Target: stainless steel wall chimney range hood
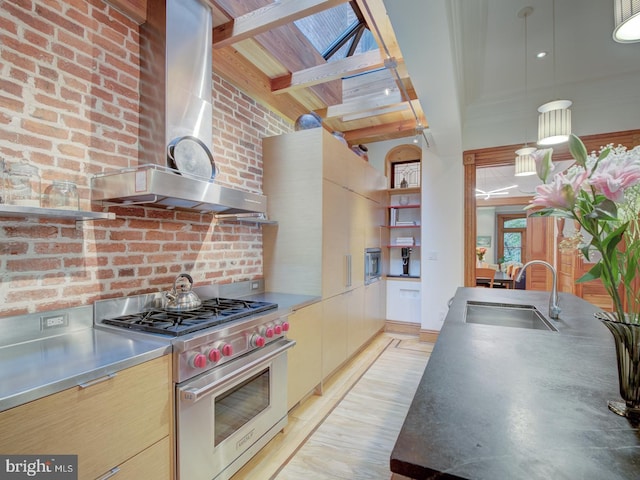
x: 175, y: 103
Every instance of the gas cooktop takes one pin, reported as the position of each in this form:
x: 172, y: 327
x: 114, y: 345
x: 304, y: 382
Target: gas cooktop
x: 212, y: 312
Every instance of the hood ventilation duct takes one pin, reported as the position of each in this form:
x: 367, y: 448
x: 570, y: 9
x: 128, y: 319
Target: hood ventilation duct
x: 175, y: 103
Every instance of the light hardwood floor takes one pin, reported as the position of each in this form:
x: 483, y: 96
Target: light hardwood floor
x: 349, y: 431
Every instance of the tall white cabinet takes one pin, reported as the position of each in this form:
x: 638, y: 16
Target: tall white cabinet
x: 329, y: 205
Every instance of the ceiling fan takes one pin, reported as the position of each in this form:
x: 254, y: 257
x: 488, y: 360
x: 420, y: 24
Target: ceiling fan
x: 496, y: 192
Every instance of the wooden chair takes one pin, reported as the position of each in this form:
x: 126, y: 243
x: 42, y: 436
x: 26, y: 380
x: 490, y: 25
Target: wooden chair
x: 509, y: 269
x: 485, y: 274
x: 514, y: 271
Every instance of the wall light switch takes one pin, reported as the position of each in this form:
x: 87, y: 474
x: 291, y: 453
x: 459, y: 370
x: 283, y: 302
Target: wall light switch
x: 433, y: 255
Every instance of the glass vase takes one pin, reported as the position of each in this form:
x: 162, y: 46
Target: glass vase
x: 626, y: 337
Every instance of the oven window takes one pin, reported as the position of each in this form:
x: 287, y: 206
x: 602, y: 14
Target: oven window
x: 238, y: 406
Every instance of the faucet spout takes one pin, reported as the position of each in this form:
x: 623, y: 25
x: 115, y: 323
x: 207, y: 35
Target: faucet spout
x: 554, y: 308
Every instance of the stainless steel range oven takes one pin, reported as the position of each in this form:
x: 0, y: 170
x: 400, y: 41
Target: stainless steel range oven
x: 230, y: 375
x: 224, y: 417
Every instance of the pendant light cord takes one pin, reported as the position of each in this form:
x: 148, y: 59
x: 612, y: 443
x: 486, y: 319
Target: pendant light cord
x: 526, y: 78
x: 553, y: 45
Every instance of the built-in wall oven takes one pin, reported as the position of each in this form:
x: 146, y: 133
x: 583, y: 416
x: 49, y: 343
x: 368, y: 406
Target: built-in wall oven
x: 225, y: 416
x: 372, y: 265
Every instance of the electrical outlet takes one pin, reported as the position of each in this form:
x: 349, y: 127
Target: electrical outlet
x: 54, y: 321
x: 255, y: 286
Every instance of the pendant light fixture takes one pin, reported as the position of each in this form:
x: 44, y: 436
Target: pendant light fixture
x: 525, y: 164
x: 554, y: 121
x: 626, y: 14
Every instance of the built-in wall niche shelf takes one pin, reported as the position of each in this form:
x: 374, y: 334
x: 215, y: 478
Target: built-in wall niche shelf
x: 404, y: 215
x: 255, y: 219
x: 78, y: 215
x: 404, y: 191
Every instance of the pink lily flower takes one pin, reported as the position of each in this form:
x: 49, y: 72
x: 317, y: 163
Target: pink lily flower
x: 613, y: 178
x: 560, y: 193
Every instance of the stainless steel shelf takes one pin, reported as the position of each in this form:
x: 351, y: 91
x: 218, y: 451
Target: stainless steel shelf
x: 78, y: 215
x: 257, y: 219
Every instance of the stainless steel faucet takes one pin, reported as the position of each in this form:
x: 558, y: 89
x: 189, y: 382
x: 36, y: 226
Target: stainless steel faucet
x: 554, y: 308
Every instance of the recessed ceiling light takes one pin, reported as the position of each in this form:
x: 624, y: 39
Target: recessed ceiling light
x: 541, y: 54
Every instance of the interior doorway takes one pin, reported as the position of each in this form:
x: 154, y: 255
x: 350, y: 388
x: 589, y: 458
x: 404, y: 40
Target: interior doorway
x: 512, y: 238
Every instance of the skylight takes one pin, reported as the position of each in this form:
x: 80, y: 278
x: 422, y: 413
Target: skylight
x: 338, y: 32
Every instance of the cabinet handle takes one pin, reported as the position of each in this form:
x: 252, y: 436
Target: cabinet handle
x: 110, y: 473
x: 348, y: 270
x: 90, y: 383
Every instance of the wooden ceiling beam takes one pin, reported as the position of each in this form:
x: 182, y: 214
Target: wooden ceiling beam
x: 267, y: 18
x: 382, y: 132
x: 327, y: 72
x: 361, y: 104
x: 375, y: 14
x: 236, y: 69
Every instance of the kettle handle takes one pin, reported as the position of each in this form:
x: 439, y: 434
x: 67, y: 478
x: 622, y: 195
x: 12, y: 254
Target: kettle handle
x: 182, y: 275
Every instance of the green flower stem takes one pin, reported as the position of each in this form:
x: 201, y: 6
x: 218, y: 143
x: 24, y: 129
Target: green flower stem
x: 606, y: 275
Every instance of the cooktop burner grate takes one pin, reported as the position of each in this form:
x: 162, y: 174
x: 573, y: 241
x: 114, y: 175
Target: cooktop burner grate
x: 211, y: 313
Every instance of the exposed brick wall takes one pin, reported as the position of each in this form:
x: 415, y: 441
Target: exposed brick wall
x: 69, y: 83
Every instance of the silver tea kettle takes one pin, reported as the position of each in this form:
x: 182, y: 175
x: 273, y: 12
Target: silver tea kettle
x: 183, y: 300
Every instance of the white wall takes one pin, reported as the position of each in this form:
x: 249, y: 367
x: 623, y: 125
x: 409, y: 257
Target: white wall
x: 486, y: 225
x: 429, y: 60
x: 442, y: 235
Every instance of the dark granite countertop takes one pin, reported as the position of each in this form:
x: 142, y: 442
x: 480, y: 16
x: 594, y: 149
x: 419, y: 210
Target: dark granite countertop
x: 510, y: 403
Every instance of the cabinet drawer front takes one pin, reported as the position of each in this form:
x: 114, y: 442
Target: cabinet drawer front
x: 152, y: 463
x: 104, y: 423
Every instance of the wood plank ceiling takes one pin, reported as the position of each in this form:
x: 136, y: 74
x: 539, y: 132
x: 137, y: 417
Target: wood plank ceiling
x: 258, y: 48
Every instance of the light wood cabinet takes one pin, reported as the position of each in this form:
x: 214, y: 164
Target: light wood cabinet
x: 107, y: 424
x: 334, y: 333
x: 322, y: 196
x: 374, y: 308
x: 153, y: 462
x: 335, y: 239
x: 329, y: 206
x: 305, y: 359
x: 356, y: 325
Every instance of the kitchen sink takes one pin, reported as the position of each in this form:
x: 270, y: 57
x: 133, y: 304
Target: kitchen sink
x: 507, y: 315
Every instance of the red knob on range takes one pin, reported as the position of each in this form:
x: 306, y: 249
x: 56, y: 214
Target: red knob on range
x: 214, y: 355
x: 257, y: 340
x: 198, y: 361
x: 268, y: 332
x: 227, y: 350
x: 285, y: 326
x: 278, y: 329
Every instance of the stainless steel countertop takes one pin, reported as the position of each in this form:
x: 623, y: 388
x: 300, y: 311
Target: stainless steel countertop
x: 31, y: 368
x: 34, y: 369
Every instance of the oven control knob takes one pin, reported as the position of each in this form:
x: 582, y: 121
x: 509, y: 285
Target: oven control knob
x: 214, y: 355
x: 257, y: 340
x: 278, y: 329
x: 267, y: 331
x: 227, y: 350
x: 285, y: 326
x: 198, y: 360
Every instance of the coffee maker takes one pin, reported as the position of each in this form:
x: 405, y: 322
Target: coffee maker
x: 405, y: 253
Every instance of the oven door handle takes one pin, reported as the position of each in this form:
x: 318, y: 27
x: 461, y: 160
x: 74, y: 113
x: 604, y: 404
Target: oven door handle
x: 192, y: 394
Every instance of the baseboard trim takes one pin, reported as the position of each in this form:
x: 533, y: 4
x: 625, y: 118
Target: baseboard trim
x: 402, y: 327
x: 429, y: 336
